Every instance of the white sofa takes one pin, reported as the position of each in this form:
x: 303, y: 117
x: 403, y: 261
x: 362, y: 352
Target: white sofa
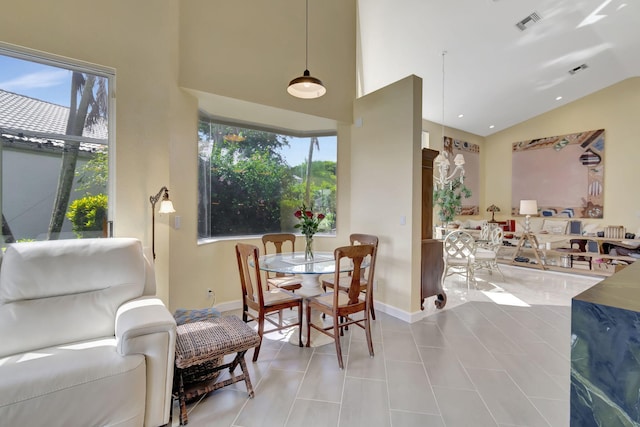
x: 83, y: 342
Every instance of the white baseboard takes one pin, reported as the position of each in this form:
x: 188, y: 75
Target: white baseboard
x: 229, y: 306
x: 399, y: 314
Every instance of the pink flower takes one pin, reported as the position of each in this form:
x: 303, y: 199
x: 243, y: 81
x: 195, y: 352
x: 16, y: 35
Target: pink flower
x: 309, y: 214
x: 298, y: 214
x: 320, y: 216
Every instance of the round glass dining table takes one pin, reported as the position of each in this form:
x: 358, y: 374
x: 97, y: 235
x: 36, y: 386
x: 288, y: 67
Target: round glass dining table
x: 309, y: 271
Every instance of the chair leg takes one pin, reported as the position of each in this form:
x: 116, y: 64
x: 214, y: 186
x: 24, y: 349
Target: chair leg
x: 373, y: 312
x: 308, y: 325
x: 324, y: 289
x: 300, y: 325
x: 260, y: 332
x: 367, y: 330
x: 336, y: 337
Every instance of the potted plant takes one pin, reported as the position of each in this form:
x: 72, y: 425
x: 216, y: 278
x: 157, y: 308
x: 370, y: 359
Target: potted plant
x: 449, y: 200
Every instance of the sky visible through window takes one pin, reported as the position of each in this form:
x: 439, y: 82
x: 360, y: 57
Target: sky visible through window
x: 52, y: 84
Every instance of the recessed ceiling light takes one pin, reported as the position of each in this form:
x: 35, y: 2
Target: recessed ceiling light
x: 558, y: 98
x: 491, y: 127
x: 460, y: 116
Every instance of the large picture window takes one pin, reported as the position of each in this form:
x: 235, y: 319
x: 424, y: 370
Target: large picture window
x: 251, y: 181
x: 54, y: 141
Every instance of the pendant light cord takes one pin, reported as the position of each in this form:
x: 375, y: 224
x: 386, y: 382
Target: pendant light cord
x: 444, y: 52
x: 306, y: 26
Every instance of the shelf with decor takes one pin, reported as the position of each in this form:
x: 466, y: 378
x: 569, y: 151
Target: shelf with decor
x: 586, y: 262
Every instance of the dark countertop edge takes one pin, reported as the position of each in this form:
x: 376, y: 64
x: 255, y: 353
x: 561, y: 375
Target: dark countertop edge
x: 622, y: 290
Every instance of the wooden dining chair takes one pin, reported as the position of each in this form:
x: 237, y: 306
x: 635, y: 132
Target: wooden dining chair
x: 343, y: 302
x: 358, y: 239
x: 280, y: 280
x: 263, y: 302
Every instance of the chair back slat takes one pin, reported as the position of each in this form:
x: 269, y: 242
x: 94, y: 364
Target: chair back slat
x: 356, y: 254
x: 459, y: 244
x: 253, y: 291
x: 366, y: 239
x: 278, y: 241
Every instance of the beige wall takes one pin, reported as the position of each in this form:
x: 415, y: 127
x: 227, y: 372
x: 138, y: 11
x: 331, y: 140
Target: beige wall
x: 385, y: 187
x: 138, y: 40
x: 250, y: 50
x: 614, y: 109
x: 212, y: 44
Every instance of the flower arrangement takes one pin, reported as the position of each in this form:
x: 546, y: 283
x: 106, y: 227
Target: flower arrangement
x: 308, y: 225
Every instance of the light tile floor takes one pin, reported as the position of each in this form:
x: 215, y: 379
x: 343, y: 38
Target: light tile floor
x: 497, y: 355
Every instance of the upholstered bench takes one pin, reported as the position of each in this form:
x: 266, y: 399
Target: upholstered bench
x: 200, y: 346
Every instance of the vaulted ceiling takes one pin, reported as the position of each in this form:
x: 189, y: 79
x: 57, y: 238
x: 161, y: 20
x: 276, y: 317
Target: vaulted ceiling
x: 495, y: 73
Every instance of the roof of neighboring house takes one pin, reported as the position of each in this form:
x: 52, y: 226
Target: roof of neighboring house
x: 33, y: 121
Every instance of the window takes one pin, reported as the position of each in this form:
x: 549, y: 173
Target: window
x: 54, y: 140
x: 251, y: 181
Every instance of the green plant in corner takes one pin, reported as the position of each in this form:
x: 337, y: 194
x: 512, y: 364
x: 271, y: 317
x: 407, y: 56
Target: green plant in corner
x: 449, y: 200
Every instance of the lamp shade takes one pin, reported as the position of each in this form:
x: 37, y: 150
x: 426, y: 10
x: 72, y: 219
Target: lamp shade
x: 306, y: 87
x: 458, y: 160
x: 166, y: 206
x: 528, y: 207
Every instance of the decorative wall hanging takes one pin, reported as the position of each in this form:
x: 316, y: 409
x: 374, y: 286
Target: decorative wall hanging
x: 563, y: 173
x: 471, y: 152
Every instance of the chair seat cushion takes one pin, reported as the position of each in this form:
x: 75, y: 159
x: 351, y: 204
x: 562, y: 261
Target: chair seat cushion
x: 484, y: 254
x: 326, y: 299
x: 277, y: 296
x: 285, y: 281
x: 458, y: 261
x: 344, y: 282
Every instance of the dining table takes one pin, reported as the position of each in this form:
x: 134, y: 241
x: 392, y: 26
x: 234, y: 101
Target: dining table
x: 310, y: 271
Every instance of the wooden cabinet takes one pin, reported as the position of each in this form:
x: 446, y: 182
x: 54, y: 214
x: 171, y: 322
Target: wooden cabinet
x: 431, y: 278
x: 432, y: 263
x: 427, y: 192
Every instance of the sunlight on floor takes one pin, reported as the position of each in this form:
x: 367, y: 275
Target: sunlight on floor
x: 505, y: 298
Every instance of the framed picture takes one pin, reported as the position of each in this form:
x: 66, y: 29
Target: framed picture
x: 563, y: 173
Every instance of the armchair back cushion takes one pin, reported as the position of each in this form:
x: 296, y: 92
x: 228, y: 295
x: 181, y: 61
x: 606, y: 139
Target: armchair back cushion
x: 68, y: 297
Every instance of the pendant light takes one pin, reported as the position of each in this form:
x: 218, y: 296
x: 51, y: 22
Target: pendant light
x: 306, y: 86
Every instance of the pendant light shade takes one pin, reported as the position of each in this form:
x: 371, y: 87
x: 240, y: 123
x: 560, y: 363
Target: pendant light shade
x: 306, y: 86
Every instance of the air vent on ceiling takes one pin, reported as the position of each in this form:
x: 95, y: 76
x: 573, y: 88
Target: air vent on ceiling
x: 578, y: 68
x: 528, y: 21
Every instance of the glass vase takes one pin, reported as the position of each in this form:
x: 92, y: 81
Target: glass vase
x: 308, y: 248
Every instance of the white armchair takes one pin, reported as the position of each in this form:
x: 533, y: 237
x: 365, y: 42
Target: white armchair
x: 83, y: 341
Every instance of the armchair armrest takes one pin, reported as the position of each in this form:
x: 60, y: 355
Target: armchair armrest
x: 145, y: 326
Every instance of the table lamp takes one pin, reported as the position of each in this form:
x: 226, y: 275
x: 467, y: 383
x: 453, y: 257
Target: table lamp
x: 528, y: 208
x: 493, y: 209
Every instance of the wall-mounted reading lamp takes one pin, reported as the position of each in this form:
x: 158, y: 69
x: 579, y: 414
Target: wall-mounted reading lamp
x: 166, y: 206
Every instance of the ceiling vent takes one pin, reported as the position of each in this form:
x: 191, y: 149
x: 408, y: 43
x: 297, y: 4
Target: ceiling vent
x: 578, y: 69
x: 528, y: 21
